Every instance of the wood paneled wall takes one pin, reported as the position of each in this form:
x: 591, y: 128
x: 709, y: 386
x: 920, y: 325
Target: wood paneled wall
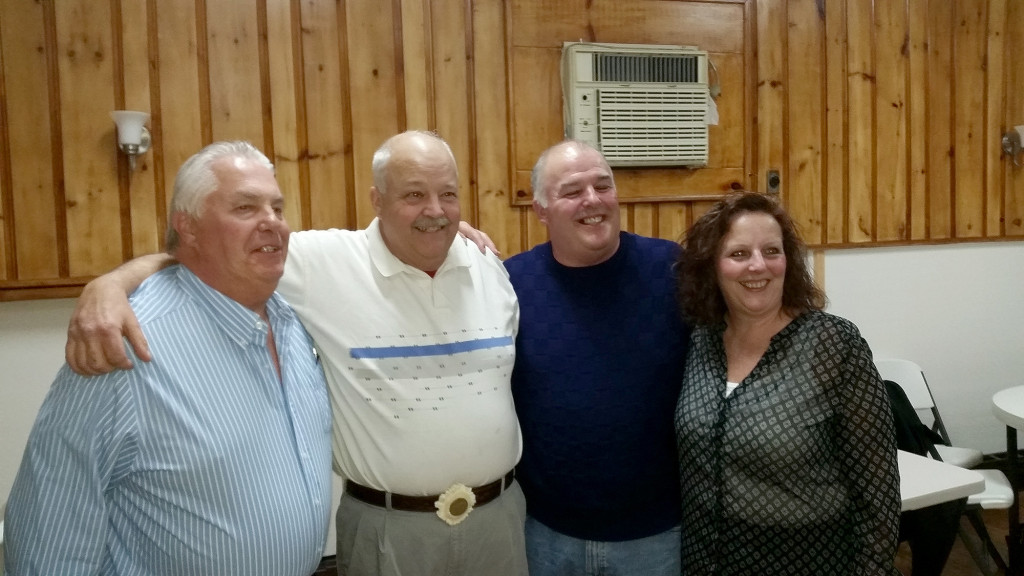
x: 882, y: 117
x: 886, y: 117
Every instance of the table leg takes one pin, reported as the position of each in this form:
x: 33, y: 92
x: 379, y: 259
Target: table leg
x: 1013, y: 539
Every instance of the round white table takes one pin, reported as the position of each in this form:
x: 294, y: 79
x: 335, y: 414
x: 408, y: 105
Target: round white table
x: 1008, y: 406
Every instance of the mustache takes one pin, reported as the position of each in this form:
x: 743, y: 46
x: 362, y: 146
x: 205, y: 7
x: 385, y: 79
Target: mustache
x: 426, y: 222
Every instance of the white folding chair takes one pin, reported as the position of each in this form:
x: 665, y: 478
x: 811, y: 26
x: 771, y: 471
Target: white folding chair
x: 911, y: 379
x: 998, y: 493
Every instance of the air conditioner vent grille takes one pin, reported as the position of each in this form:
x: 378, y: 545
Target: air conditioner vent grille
x: 658, y: 127
x: 645, y: 68
x: 640, y: 105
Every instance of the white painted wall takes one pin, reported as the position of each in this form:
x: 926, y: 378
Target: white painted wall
x: 32, y: 338
x: 956, y: 310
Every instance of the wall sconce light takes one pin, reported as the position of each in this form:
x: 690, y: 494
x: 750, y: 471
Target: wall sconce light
x: 1011, y: 143
x: 132, y: 135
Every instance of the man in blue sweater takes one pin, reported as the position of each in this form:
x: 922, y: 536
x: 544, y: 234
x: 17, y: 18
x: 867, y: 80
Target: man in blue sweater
x: 599, y: 361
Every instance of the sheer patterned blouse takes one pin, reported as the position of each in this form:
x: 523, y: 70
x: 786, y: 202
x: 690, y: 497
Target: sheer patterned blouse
x: 795, y: 472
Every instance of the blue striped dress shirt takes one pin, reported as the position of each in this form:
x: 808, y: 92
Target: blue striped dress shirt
x: 199, y: 462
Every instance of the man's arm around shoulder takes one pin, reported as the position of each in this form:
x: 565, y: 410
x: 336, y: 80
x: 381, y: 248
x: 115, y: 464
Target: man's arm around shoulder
x: 102, y: 316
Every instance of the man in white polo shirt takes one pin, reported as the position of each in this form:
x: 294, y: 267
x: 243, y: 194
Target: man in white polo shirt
x: 417, y: 333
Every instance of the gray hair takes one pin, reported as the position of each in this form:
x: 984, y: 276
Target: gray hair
x: 196, y: 180
x: 382, y: 156
x: 540, y: 195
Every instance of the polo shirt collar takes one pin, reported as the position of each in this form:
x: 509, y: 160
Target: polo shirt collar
x: 389, y: 265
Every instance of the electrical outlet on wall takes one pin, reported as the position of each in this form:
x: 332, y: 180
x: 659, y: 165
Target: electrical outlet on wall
x: 773, y: 182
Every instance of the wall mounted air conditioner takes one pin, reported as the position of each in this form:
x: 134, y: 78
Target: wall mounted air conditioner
x: 640, y: 105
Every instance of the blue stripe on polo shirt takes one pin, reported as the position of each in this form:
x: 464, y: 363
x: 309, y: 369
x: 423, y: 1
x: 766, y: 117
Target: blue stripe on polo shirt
x: 432, y: 349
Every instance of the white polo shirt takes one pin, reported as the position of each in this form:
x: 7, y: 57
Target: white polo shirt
x: 418, y: 368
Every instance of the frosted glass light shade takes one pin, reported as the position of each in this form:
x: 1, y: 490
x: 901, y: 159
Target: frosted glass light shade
x: 129, y: 126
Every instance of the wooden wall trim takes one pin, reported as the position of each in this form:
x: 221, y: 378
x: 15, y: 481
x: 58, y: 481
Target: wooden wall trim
x: 56, y: 138
x: 203, y: 72
x: 8, y: 255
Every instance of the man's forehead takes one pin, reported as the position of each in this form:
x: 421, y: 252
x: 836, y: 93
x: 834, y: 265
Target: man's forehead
x: 245, y: 193
x: 422, y: 181
x: 592, y: 174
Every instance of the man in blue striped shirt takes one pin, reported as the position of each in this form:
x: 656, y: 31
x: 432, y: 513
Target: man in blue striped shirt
x: 214, y: 458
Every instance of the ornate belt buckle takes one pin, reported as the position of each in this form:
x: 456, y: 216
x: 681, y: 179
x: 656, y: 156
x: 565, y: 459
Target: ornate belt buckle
x: 455, y: 504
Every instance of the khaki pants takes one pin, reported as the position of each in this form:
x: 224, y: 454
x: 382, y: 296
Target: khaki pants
x: 373, y: 541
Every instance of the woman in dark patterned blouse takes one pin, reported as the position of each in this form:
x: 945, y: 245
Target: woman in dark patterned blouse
x: 787, y: 454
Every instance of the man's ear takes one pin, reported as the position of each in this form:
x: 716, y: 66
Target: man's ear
x: 541, y: 212
x: 184, y: 224
x: 375, y: 199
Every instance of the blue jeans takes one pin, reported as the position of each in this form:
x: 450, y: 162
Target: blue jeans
x: 551, y: 553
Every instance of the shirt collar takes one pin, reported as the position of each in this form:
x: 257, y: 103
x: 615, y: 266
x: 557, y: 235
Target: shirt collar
x: 238, y: 322
x: 389, y: 265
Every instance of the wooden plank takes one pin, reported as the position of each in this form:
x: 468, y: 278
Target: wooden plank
x: 91, y: 191
x: 8, y: 267
x: 917, y: 120
x: 537, y: 69
x: 836, y: 180
x: 771, y: 90
x: 452, y: 90
x: 147, y: 217
x: 726, y: 145
x: 33, y: 219
x: 698, y: 209
x: 325, y: 71
x: 968, y: 108
x: 492, y: 128
x: 37, y: 292
x: 674, y: 184
x: 673, y: 220
x: 861, y: 121
x: 418, y: 69
x: 536, y: 233
x: 236, y: 109
x: 714, y: 26
x: 750, y: 106
x: 804, y: 65
x: 940, y: 120
x: 178, y: 121
x: 818, y: 265
x: 891, y: 54
x: 995, y: 112
x: 645, y: 219
x: 371, y: 55
x: 288, y: 118
x: 626, y: 217
x: 1014, y: 210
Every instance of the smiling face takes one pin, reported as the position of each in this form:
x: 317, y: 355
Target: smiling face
x: 239, y: 241
x: 752, y: 266
x: 582, y: 211
x: 418, y: 206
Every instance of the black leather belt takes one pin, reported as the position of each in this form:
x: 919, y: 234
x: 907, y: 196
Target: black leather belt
x: 484, y: 494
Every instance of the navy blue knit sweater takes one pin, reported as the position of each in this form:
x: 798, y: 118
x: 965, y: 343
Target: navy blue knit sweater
x: 599, y: 362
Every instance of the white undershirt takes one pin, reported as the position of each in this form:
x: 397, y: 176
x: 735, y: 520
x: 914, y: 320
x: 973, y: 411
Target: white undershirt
x: 729, y: 387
